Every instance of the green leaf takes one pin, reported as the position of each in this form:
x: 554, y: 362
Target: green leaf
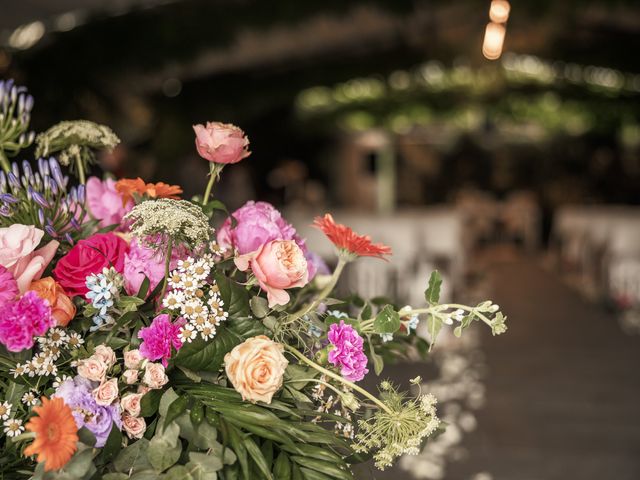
x: 134, y: 457
x: 197, y: 414
x: 144, y: 288
x: 180, y: 472
x: 209, y: 355
x: 282, y: 467
x: 14, y: 393
x: 267, y: 452
x: 257, y: 457
x: 241, y: 452
x: 130, y: 304
x: 378, y: 362
x: 177, y: 408
x: 203, y: 466
x: 434, y: 325
x: 432, y: 293
x: 295, y: 371
x: 259, y: 306
x: 167, y: 399
x: 387, y: 321
x: 79, y: 465
x: 150, y: 402
x: 327, y: 468
x: 164, y: 449
x: 87, y: 437
x: 115, y: 476
x: 113, y: 444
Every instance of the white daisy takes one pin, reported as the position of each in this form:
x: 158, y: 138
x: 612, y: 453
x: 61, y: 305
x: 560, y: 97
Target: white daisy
x: 175, y: 280
x: 184, y: 265
x: 31, y: 369
x: 57, y: 337
x: 200, y: 270
x: 192, y: 308
x: 201, y: 321
x: 207, y: 332
x: 52, y: 352
x: 187, y: 333
x: 5, y: 410
x: 60, y: 380
x: 50, y: 369
x: 75, y: 340
x: 18, y: 370
x: 13, y: 427
x: 174, y: 300
x: 30, y: 399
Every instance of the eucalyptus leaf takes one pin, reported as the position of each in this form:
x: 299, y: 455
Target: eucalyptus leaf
x: 133, y: 457
x: 167, y: 399
x: 259, y: 306
x: 150, y: 402
x: 387, y: 320
x: 432, y: 293
x: 177, y: 408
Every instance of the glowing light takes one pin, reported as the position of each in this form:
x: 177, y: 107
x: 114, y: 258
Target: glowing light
x: 66, y: 22
x: 499, y: 11
x: 493, y: 41
x: 27, y: 35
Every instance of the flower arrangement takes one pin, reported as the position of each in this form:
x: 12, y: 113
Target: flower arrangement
x: 138, y: 342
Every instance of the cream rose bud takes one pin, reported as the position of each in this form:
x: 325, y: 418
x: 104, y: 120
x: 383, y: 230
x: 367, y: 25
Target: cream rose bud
x: 256, y: 368
x: 106, y: 393
x: 92, y: 368
x: 154, y: 375
x: 131, y: 403
x: 134, y: 427
x: 133, y: 359
x: 106, y: 354
x: 144, y: 389
x: 130, y: 376
x: 277, y: 265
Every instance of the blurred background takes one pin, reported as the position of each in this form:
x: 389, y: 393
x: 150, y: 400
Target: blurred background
x: 496, y: 141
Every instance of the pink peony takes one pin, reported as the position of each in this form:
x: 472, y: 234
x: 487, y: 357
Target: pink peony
x: 105, y: 203
x: 159, y: 337
x: 277, y: 265
x: 23, y: 320
x: 8, y: 286
x: 221, y: 142
x: 141, y: 261
x: 347, y: 351
x: 87, y: 257
x: 18, y: 253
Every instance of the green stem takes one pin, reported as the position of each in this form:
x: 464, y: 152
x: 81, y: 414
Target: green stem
x: 4, y: 161
x: 81, y: 175
x: 324, y: 293
x: 167, y: 264
x: 338, y: 378
x: 214, y: 174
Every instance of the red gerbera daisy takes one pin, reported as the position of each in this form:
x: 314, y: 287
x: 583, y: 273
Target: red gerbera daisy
x: 345, y: 238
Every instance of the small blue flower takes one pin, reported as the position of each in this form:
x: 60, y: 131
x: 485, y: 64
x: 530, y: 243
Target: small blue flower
x: 413, y: 322
x: 386, y: 337
x: 337, y: 314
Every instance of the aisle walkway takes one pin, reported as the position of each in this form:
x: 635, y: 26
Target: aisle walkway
x: 563, y: 388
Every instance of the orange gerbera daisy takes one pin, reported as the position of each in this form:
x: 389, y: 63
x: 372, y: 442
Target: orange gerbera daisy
x: 56, y: 434
x: 346, y: 239
x: 128, y: 186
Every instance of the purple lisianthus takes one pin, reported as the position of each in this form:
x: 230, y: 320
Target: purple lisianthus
x: 98, y: 419
x: 24, y: 319
x: 159, y: 337
x: 257, y: 224
x: 347, y: 351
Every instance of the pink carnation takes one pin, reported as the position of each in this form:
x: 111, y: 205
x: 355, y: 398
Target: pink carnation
x: 8, y: 286
x: 105, y: 203
x: 23, y: 320
x: 259, y: 223
x: 159, y: 337
x: 347, y: 351
x: 141, y: 261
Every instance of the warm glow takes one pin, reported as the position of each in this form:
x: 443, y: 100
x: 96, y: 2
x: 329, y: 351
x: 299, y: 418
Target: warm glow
x: 493, y: 41
x: 499, y: 12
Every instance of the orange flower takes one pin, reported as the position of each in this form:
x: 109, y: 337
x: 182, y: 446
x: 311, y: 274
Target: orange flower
x: 346, y: 239
x: 62, y: 308
x: 128, y: 186
x: 56, y: 434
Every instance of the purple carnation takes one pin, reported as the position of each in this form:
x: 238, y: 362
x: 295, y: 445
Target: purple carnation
x: 23, y: 320
x: 158, y: 338
x: 347, y: 351
x: 98, y: 419
x: 257, y: 224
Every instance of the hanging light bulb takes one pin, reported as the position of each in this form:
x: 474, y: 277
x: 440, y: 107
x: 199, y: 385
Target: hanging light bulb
x: 493, y: 40
x: 499, y: 11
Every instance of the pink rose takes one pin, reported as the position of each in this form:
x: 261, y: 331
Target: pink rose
x: 154, y: 375
x: 144, y: 389
x: 131, y: 403
x: 19, y: 256
x: 106, y: 354
x: 105, y: 203
x: 277, y: 265
x: 87, y: 257
x: 141, y: 261
x: 221, y: 142
x: 133, y: 359
x: 130, y: 376
x: 134, y: 427
x: 106, y: 393
x: 92, y: 368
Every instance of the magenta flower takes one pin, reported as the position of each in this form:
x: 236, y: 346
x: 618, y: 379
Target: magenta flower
x: 8, y: 286
x: 347, y: 351
x: 22, y: 321
x: 159, y: 337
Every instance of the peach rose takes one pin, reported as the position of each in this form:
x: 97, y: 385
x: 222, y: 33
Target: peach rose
x: 18, y: 253
x: 277, y: 265
x: 134, y: 427
x: 256, y: 368
x: 143, y: 389
x: 62, y: 308
x: 130, y: 376
x: 154, y: 375
x: 131, y: 403
x: 133, y: 359
x: 106, y: 393
x: 92, y: 368
x: 106, y: 354
x: 221, y: 142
